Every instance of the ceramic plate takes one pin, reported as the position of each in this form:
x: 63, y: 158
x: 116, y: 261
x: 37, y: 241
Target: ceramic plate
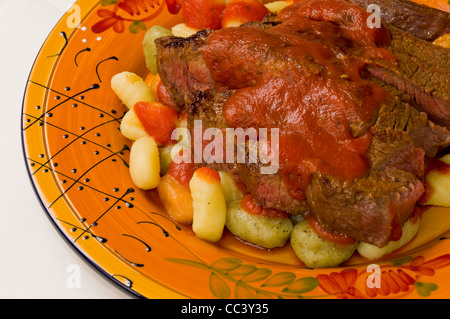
x: 78, y: 164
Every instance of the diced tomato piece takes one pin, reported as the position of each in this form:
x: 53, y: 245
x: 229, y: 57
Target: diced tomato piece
x: 203, y: 14
x: 239, y: 12
x: 182, y: 171
x: 159, y: 120
x: 174, y: 6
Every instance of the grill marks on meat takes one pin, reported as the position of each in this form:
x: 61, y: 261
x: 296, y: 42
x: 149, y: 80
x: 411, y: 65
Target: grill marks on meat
x: 369, y: 209
x: 419, y: 20
x: 364, y: 208
x: 207, y: 107
x: 400, y: 116
x: 423, y: 72
x: 181, y: 66
x: 423, y: 69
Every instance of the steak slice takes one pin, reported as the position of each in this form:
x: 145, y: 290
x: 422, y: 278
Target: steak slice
x: 402, y: 138
x: 366, y: 208
x: 206, y: 106
x: 369, y: 209
x: 419, y: 20
x: 402, y: 117
x: 181, y: 66
x: 423, y: 72
x: 394, y: 148
x: 270, y: 191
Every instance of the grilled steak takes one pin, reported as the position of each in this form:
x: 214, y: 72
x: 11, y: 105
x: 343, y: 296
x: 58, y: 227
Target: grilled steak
x: 270, y: 191
x: 402, y: 138
x: 370, y: 207
x: 181, y: 66
x: 423, y: 72
x: 419, y: 20
x: 400, y: 116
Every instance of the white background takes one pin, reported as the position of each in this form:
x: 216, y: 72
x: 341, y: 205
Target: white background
x: 35, y: 260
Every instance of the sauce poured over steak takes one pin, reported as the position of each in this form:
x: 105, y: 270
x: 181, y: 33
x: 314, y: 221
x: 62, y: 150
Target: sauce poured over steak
x: 352, y: 148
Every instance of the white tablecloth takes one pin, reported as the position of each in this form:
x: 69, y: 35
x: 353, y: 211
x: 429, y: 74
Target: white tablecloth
x: 35, y: 261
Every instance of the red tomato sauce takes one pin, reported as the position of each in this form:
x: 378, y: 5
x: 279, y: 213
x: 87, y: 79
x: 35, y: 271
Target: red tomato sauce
x: 418, y: 213
x: 303, y: 76
x: 251, y: 207
x: 182, y: 171
x: 208, y: 174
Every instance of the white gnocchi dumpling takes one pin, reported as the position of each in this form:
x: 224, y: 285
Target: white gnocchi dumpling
x: 183, y: 31
x: 409, y: 231
x: 144, y: 163
x: 131, y: 126
x: 276, y: 6
x: 131, y: 89
x: 208, y: 201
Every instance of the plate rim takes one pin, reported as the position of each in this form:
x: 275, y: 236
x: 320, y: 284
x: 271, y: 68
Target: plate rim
x: 85, y: 257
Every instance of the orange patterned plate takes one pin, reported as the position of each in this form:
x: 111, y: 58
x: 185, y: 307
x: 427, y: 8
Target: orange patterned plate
x: 78, y: 164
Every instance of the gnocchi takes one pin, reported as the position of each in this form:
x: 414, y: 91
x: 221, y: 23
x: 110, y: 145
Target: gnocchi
x: 267, y: 232
x: 438, y: 186
x: 276, y: 6
x: 131, y: 89
x: 131, y: 127
x: 165, y: 157
x: 168, y: 153
x: 409, y: 230
x: 144, y: 163
x: 316, y: 252
x: 230, y: 188
x: 210, y: 209
x: 183, y: 31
